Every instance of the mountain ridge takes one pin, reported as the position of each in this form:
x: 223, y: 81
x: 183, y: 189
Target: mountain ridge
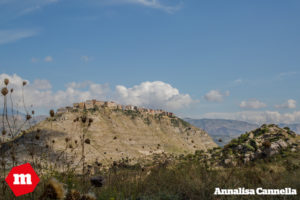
x: 226, y: 130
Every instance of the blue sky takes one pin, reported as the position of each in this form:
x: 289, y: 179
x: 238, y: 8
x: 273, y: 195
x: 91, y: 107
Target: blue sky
x: 217, y: 59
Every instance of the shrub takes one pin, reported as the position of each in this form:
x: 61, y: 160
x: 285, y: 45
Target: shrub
x: 234, y: 140
x: 184, y: 123
x: 243, y: 137
x: 199, y: 152
x: 253, y: 144
x: 147, y: 121
x: 229, y: 151
x: 249, y: 147
x: 266, y: 144
x: 234, y: 143
x: 175, y: 122
x: 274, y: 139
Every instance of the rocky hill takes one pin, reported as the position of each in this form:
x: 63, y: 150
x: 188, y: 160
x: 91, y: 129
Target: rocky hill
x: 223, y: 131
x: 261, y: 143
x: 109, y: 135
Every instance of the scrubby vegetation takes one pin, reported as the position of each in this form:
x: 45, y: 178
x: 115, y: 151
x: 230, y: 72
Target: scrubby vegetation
x: 186, y: 178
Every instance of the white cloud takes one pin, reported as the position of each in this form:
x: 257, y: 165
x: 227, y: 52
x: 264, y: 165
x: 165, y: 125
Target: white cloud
x: 79, y: 85
x: 286, y: 74
x: 85, y: 58
x: 156, y: 4
x: 48, y: 59
x: 34, y: 60
x: 9, y: 36
x: 237, y: 81
x: 216, y: 96
x: 291, y: 103
x: 148, y: 94
x: 252, y: 104
x: 41, y: 96
x: 42, y: 84
x: 155, y: 94
x: 258, y: 117
x: 20, y: 7
x: 29, y: 10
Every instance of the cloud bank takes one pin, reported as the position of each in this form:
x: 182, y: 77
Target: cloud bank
x: 252, y: 104
x: 258, y: 117
x: 291, y: 103
x: 155, y: 94
x: 40, y: 95
x: 216, y: 96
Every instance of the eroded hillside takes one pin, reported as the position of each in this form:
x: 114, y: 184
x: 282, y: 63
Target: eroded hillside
x: 109, y: 135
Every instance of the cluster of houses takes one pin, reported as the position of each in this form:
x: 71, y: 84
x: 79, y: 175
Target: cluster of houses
x: 92, y: 104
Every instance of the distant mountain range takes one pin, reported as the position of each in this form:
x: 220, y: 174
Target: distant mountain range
x: 223, y: 131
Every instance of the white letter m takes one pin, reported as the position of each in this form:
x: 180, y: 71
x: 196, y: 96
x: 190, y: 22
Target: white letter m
x: 25, y: 179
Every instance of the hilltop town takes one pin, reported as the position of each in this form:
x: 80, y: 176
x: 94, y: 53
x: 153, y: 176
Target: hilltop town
x: 95, y: 104
x: 112, y: 133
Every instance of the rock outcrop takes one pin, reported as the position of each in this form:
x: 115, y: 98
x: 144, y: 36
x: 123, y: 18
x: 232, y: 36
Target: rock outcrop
x: 264, y: 142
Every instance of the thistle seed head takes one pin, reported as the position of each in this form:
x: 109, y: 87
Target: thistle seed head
x: 6, y: 81
x: 83, y: 119
x: 88, y: 197
x: 54, y: 189
x: 28, y: 117
x: 51, y: 113
x: 73, y: 195
x: 4, y: 91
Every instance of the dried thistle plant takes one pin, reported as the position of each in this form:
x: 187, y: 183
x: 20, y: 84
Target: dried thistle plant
x: 53, y: 190
x: 6, y: 81
x: 73, y: 195
x: 52, y: 113
x: 4, y: 91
